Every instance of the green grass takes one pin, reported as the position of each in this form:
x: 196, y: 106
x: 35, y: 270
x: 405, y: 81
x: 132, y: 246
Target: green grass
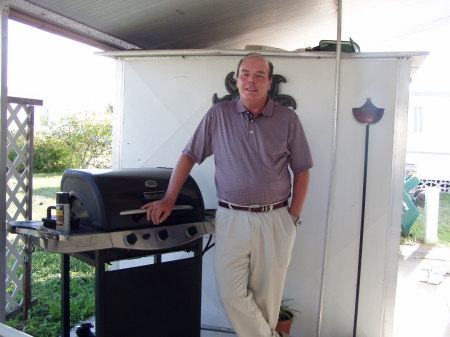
x: 45, y: 187
x: 45, y: 317
x: 416, y: 234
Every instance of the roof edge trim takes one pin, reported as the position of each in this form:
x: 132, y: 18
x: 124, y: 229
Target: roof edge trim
x: 238, y: 52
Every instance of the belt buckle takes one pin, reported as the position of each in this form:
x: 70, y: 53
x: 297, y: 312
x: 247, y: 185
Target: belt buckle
x: 266, y: 208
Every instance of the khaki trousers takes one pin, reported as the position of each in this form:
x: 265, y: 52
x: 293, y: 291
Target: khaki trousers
x: 252, y: 254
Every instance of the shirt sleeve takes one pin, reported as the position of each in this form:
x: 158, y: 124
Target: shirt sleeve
x: 199, y: 146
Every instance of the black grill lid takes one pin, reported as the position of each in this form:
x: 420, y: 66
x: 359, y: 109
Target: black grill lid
x: 98, y: 196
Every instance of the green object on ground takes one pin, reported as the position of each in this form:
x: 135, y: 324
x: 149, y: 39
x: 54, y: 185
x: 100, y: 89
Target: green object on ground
x: 410, y: 212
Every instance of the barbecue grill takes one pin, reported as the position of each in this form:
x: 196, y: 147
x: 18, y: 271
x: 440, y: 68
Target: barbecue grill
x: 107, y: 225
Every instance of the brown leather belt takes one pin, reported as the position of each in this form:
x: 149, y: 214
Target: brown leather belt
x: 257, y: 209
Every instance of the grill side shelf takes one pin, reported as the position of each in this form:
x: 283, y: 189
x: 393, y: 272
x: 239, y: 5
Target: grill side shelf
x: 150, y: 239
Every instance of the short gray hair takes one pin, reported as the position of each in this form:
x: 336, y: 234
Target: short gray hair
x: 258, y: 55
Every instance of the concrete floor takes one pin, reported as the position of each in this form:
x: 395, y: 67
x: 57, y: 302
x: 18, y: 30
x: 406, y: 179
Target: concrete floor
x: 209, y: 333
x: 422, y: 309
x: 204, y: 333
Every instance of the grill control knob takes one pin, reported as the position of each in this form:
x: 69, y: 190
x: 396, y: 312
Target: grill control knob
x: 146, y: 236
x: 191, y: 231
x: 163, y: 235
x: 131, y: 239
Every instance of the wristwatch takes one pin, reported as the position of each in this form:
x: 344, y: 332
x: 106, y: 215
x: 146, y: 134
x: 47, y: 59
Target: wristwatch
x: 297, y: 220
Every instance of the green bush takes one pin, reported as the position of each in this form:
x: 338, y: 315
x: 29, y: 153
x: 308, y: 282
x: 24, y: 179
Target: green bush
x: 75, y: 141
x: 50, y: 154
x: 88, y: 139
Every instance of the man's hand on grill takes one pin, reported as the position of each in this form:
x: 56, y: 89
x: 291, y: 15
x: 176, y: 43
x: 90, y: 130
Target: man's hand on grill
x: 158, y: 211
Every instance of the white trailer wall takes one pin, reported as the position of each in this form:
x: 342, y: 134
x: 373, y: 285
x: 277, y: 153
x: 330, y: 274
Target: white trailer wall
x: 163, y: 96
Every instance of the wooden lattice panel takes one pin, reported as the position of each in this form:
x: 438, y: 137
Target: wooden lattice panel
x: 19, y: 150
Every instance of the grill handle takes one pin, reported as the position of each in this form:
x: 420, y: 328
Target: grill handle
x: 141, y: 211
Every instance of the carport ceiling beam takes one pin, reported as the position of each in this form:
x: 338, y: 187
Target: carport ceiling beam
x: 44, y: 19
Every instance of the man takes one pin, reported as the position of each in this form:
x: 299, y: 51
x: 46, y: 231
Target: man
x: 254, y: 142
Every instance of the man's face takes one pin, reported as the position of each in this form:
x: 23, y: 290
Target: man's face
x: 253, y: 81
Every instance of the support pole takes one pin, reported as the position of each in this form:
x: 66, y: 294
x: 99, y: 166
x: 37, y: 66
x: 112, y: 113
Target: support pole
x: 333, y: 162
x: 26, y: 285
x: 3, y: 157
x: 431, y: 215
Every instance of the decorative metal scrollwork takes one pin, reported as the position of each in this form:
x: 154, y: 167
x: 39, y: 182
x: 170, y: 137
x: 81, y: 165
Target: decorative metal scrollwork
x: 230, y: 85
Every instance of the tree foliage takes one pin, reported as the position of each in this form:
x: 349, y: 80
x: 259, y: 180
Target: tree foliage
x: 50, y: 154
x: 75, y: 141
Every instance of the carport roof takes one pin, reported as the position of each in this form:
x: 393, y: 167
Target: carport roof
x: 228, y: 24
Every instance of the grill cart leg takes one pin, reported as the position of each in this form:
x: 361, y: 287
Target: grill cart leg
x: 65, y: 294
x: 100, y: 294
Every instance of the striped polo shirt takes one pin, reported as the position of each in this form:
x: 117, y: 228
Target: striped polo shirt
x: 252, y: 155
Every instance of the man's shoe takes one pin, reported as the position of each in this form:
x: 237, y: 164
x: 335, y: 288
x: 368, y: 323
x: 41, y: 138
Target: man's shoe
x: 283, y: 334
